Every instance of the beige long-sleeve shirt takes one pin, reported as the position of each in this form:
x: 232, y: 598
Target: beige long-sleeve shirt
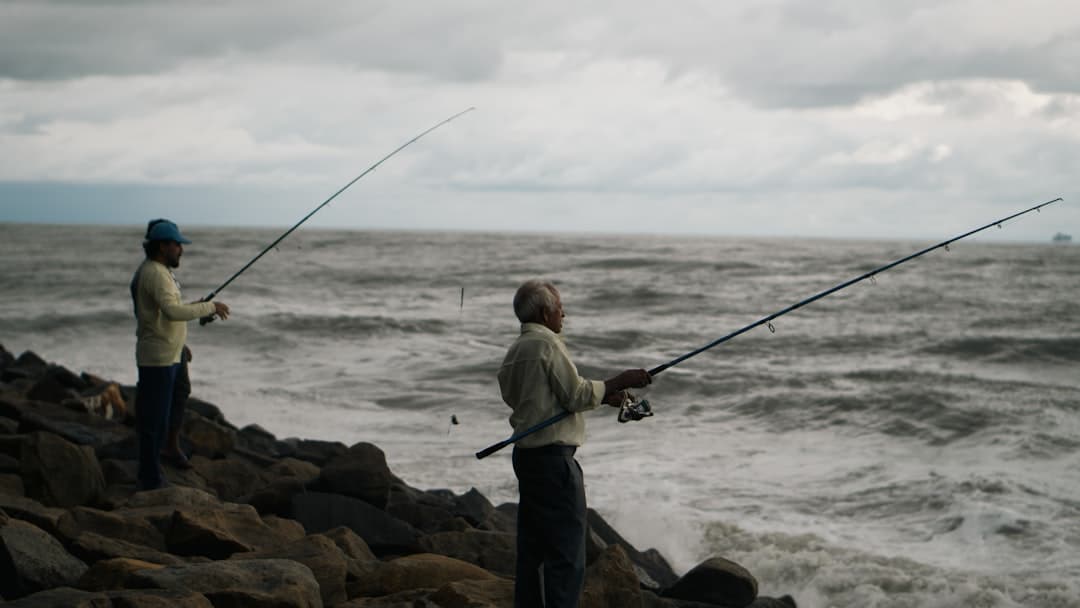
x: 162, y: 317
x: 538, y: 380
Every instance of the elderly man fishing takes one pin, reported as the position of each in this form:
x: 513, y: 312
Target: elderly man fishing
x: 538, y: 380
x: 161, y: 333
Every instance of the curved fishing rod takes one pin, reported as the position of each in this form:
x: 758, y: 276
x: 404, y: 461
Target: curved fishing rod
x: 210, y: 296
x: 762, y: 321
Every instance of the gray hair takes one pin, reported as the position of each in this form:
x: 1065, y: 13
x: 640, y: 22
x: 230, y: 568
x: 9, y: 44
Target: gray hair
x: 533, y: 298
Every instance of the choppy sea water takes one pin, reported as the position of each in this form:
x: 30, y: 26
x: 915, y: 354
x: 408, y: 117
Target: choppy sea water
x: 911, y: 442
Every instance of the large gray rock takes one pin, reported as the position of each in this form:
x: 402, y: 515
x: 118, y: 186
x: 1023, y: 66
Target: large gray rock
x: 60, y: 473
x: 384, y: 534
x: 32, y: 560
x: 361, y: 472
x: 275, y: 583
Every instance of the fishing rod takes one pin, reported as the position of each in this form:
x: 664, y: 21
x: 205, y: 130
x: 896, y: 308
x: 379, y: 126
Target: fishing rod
x: 636, y: 411
x: 210, y: 296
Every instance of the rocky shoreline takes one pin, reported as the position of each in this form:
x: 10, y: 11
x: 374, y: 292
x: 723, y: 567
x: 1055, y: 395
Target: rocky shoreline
x: 259, y: 521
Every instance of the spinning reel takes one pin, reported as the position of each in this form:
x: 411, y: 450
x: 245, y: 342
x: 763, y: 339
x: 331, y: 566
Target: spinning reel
x: 634, y: 410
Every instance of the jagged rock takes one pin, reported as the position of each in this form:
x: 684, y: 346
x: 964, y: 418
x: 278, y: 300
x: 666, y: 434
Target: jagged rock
x: 111, y: 574
x: 74, y: 426
x: 383, y: 533
x: 209, y: 411
x: 218, y: 533
x: 423, y: 570
x: 31, y: 560
x: 172, y: 496
x: 497, y: 593
x: 276, y: 583
x: 651, y: 568
x: 6, y: 358
x: 118, y: 472
x: 286, y: 529
x: 258, y: 439
x: 716, y: 581
x: 59, y: 473
x: 494, y: 551
x: 610, y: 581
x: 112, y: 524
x: 315, y: 451
x: 9, y: 464
x: 317, y: 552
x: 27, y: 365
x: 206, y: 437
x: 361, y: 472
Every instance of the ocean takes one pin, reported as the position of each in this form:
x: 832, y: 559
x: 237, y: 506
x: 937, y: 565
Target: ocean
x: 907, y: 442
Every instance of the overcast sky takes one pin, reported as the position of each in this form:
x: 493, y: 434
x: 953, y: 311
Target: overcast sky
x: 849, y: 118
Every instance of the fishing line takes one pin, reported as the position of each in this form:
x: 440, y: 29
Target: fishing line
x: 210, y: 296
x: 632, y: 411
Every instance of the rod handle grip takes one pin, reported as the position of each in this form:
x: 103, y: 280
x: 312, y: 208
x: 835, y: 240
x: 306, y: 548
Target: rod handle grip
x: 206, y: 319
x: 491, y: 449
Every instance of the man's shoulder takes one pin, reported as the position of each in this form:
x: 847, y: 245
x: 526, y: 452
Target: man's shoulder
x: 151, y: 273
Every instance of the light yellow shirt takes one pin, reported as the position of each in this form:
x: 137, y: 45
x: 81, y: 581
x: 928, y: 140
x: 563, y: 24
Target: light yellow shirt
x: 538, y: 380
x: 162, y: 317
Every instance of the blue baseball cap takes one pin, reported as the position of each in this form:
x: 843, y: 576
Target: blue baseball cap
x: 164, y: 230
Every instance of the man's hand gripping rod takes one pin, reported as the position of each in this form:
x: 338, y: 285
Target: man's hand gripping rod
x: 641, y: 409
x: 210, y: 296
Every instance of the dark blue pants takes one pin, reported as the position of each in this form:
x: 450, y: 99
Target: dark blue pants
x: 551, y: 526
x: 153, y: 400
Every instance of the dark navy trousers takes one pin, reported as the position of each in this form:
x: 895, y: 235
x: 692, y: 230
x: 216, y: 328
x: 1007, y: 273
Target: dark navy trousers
x: 153, y: 401
x: 551, y: 526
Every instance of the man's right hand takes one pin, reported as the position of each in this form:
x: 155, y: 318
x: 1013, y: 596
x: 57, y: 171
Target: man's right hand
x: 221, y: 309
x: 631, y: 378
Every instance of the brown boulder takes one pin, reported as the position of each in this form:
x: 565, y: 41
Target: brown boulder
x: 497, y: 593
x: 420, y: 571
x: 494, y: 551
x: 208, y: 438
x: 317, y: 552
x: 218, y: 533
x: 92, y: 547
x: 113, y: 524
x: 112, y: 573
x: 273, y: 583
x: 230, y: 478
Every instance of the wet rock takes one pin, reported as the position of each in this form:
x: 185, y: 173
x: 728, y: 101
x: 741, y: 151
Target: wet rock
x: 717, y: 581
x: 610, y: 581
x: 652, y: 569
x: 31, y: 560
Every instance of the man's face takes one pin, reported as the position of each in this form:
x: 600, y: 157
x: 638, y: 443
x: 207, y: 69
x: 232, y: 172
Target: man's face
x: 553, y: 316
x: 171, y: 252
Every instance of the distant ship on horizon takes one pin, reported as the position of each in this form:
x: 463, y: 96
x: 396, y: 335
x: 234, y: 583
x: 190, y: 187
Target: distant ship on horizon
x: 1061, y: 237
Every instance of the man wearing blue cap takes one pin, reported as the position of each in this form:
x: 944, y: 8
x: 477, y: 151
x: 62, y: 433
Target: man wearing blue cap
x: 161, y: 332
